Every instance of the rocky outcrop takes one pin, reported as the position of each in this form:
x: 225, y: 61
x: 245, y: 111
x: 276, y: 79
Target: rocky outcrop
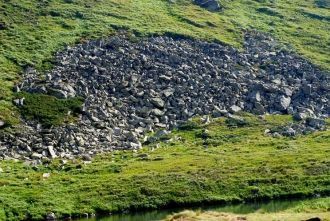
x: 211, y: 5
x: 131, y: 88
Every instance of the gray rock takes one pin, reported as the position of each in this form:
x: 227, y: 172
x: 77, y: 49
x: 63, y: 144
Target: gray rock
x: 51, y: 216
x: 316, y: 123
x: 36, y: 156
x: 234, y: 109
x: 157, y: 112
x: 135, y: 146
x: 255, y: 96
x: 211, y: 5
x: 86, y: 157
x: 307, y: 89
x: 59, y: 93
x: 303, y: 113
x: 284, y: 102
x: 158, y: 102
x: 2, y: 123
x: 19, y: 102
x: 290, y: 132
x: 52, y: 152
x: 259, y: 108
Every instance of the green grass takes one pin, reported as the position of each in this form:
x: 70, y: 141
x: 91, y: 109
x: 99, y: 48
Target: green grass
x: 34, y: 30
x: 49, y: 110
x: 235, y: 164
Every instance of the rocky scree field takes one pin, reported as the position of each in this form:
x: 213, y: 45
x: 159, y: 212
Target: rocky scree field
x: 128, y: 89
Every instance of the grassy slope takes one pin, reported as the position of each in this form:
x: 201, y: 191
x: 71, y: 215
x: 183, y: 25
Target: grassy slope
x: 230, y: 164
x: 36, y: 29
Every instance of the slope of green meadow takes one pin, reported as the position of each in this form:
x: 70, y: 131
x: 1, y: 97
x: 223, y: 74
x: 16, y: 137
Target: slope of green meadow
x: 214, y: 163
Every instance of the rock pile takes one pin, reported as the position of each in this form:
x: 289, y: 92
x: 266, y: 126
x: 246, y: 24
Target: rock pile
x: 131, y: 88
x: 306, y: 126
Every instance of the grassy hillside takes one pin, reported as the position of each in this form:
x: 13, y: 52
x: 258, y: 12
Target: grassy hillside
x: 32, y: 30
x: 222, y: 164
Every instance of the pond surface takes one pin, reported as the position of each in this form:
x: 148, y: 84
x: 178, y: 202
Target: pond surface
x: 156, y: 215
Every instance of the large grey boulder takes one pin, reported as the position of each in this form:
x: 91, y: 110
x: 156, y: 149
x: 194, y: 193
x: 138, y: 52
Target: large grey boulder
x: 211, y: 5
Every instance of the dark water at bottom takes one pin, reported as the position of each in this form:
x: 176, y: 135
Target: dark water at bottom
x: 244, y: 208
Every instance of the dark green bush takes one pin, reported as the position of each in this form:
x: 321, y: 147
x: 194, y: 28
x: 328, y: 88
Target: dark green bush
x: 49, y: 110
x: 236, y: 122
x: 189, y: 125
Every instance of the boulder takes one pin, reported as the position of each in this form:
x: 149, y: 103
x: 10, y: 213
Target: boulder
x: 211, y: 5
x: 284, y: 103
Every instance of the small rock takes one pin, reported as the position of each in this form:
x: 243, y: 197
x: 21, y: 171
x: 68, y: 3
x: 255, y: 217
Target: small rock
x: 307, y: 89
x: 157, y: 112
x: 290, y: 132
x: 117, y: 131
x: 2, y: 123
x: 234, y: 109
x: 36, y: 156
x: 51, y: 152
x: 46, y: 175
x: 86, y: 157
x: 135, y: 146
x: 158, y: 102
x: 51, y: 216
x: 316, y: 123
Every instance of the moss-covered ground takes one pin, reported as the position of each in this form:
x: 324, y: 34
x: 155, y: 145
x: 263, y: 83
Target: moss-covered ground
x: 31, y: 31
x: 49, y: 110
x: 220, y: 164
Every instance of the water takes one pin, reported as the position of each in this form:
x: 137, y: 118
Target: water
x: 155, y: 215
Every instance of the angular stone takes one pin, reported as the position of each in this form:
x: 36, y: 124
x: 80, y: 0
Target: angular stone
x: 234, y: 109
x: 157, y: 112
x: 307, y: 89
x: 158, y: 102
x: 284, y: 102
x: 36, y: 156
x: 259, y: 108
x: 52, y: 152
